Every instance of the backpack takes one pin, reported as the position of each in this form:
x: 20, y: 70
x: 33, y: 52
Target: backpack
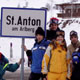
x: 76, y: 57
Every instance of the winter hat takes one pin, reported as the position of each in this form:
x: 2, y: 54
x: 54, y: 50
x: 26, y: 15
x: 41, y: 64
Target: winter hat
x: 73, y: 33
x: 54, y: 20
x: 40, y: 31
x: 60, y: 33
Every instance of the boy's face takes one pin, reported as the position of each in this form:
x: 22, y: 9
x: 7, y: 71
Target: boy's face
x: 39, y: 37
x: 74, y: 39
x: 53, y: 26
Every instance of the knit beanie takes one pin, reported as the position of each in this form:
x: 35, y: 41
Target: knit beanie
x: 40, y: 31
x: 73, y: 33
x: 54, y: 20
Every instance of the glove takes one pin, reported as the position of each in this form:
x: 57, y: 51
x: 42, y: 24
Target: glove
x: 44, y: 75
x: 67, y: 79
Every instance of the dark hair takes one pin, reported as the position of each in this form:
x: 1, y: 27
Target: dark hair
x: 40, y: 31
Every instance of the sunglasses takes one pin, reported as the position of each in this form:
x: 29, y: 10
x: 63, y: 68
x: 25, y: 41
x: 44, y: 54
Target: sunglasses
x: 60, y: 33
x: 73, y: 33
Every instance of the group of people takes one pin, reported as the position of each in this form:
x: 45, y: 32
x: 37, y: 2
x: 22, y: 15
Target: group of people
x: 50, y: 58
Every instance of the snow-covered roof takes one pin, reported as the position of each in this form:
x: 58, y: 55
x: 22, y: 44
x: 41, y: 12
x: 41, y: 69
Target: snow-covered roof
x: 78, y: 2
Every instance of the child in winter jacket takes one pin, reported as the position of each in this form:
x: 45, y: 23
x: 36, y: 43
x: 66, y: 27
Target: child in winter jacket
x: 5, y: 66
x: 36, y: 54
x: 54, y: 63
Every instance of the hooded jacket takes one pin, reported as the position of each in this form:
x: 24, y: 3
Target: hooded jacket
x: 51, y: 34
x: 71, y: 49
x: 54, y: 60
x: 37, y: 53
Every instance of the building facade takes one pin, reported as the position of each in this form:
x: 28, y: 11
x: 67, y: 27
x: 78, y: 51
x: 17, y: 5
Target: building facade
x: 68, y: 10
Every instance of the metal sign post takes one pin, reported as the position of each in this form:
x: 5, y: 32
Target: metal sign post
x: 22, y: 64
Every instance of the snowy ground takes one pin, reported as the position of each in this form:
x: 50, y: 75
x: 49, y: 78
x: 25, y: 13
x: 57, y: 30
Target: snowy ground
x: 16, y: 75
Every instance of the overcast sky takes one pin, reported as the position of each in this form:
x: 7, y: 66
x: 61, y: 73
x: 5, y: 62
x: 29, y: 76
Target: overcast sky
x: 32, y: 3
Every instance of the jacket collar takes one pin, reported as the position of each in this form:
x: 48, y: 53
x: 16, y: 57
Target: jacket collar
x: 58, y: 43
x: 41, y: 42
x: 76, y: 45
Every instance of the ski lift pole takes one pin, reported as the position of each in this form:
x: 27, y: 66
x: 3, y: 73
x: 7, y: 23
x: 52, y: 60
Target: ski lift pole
x: 22, y: 64
x: 51, y: 7
x: 11, y: 51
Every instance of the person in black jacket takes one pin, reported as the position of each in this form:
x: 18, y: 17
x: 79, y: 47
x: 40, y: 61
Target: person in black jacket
x: 51, y: 33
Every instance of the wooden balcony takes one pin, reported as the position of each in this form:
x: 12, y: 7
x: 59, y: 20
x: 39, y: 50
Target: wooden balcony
x: 67, y: 15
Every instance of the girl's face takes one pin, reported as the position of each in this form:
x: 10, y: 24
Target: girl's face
x: 39, y: 37
x: 60, y: 38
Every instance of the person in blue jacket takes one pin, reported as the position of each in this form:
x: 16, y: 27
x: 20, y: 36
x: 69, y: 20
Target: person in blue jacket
x: 36, y: 54
x: 5, y: 66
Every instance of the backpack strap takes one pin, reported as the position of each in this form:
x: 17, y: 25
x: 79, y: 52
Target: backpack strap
x: 5, y: 66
